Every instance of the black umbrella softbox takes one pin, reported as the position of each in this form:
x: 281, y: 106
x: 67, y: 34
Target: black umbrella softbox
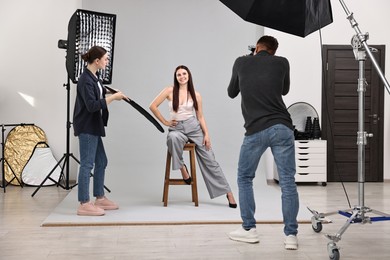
x: 297, y: 17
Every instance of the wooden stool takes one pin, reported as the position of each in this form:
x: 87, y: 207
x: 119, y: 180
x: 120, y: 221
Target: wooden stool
x: 190, y: 147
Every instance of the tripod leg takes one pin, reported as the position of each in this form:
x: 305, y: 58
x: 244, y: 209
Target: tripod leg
x: 62, y: 175
x: 48, y: 177
x: 2, y: 172
x: 74, y: 158
x: 107, y: 189
x: 14, y: 175
x: 337, y: 237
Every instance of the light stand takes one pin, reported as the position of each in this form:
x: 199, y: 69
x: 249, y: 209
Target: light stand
x: 85, y: 29
x: 66, y: 156
x: 359, y: 213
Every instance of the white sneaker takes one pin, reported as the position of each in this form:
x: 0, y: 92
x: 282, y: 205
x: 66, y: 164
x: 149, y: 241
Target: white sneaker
x: 291, y: 242
x: 242, y: 235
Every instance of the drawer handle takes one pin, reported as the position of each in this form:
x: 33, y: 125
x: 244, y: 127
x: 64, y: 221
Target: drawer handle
x: 303, y: 166
x: 303, y: 159
x: 302, y: 173
x: 303, y: 153
x: 303, y: 147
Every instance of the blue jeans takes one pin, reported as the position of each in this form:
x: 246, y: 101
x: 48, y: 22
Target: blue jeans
x: 92, y: 156
x: 281, y: 141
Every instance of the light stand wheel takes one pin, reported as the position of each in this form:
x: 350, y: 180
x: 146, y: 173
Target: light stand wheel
x: 317, y: 227
x: 335, y: 255
x: 333, y: 251
x: 316, y: 223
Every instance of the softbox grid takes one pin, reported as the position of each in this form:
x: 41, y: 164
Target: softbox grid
x: 87, y: 29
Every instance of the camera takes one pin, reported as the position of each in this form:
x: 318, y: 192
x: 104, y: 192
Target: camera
x: 252, y: 49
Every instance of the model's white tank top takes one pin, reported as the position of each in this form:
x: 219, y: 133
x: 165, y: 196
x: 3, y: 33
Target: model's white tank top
x: 184, y: 111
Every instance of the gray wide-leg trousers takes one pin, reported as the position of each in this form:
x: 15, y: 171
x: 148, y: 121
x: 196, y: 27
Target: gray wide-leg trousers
x: 190, y: 130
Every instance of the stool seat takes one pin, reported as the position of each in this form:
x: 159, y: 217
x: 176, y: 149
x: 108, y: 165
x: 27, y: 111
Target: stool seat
x: 190, y: 147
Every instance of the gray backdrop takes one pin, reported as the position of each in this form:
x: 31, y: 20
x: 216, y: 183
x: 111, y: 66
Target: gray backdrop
x: 152, y: 38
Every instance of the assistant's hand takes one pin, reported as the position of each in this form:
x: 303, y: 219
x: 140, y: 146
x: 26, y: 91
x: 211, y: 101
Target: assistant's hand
x: 119, y: 96
x: 116, y: 96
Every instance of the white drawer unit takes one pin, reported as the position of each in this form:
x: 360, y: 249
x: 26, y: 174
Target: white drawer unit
x: 310, y: 159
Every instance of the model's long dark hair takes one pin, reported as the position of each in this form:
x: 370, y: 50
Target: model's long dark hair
x: 176, y: 86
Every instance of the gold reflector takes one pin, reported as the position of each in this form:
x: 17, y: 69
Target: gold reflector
x: 19, y: 145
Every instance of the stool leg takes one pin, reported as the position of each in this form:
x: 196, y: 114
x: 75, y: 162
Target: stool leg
x: 166, y: 179
x: 194, y: 186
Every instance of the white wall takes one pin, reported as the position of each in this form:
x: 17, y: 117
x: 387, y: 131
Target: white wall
x: 305, y: 59
x: 152, y: 38
x: 32, y: 65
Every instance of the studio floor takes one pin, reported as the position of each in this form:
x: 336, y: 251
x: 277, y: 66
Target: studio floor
x: 23, y: 237
x: 146, y: 208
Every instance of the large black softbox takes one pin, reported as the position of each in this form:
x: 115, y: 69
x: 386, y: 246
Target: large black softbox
x: 297, y: 17
x: 86, y: 29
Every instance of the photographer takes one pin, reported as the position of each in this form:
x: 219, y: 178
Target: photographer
x: 263, y: 79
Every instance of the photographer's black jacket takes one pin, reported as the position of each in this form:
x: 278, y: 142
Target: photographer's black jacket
x: 262, y: 80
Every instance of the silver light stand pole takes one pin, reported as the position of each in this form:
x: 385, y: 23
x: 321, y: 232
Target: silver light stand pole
x: 357, y: 214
